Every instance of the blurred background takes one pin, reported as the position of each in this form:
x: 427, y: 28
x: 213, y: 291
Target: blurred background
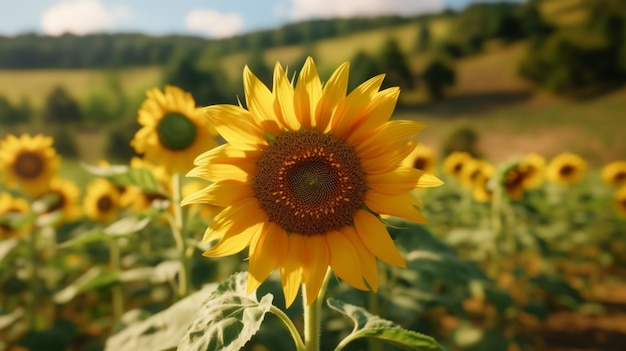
x: 498, y: 80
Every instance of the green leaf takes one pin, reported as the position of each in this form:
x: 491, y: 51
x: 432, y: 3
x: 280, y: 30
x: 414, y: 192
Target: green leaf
x: 227, y: 319
x: 127, y: 225
x: 92, y: 236
x: 125, y: 176
x: 94, y: 278
x: 7, y: 320
x: 369, y: 325
x: 161, y: 331
x: 6, y: 246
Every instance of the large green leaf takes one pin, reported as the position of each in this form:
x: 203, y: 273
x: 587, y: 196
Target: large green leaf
x: 369, y: 325
x: 161, y: 331
x: 227, y: 319
x: 6, y: 246
x: 124, y: 226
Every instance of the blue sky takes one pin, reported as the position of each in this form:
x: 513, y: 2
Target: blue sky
x: 208, y: 18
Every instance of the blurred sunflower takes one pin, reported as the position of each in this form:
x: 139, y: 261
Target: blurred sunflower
x: 615, y: 173
x: 139, y: 200
x: 619, y: 201
x: 534, y: 168
x: 11, y: 206
x: 29, y: 161
x: 173, y: 130
x: 102, y: 201
x: 472, y: 170
x: 421, y: 158
x: 304, y: 175
x: 453, y: 163
x: 566, y: 168
x: 513, y: 180
x: 482, y: 190
x: 64, y: 195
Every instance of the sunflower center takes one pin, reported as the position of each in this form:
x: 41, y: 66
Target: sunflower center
x: 104, y: 204
x: 567, y: 170
x: 515, y: 179
x: 620, y: 177
x: 28, y: 165
x: 420, y: 163
x: 309, y: 183
x: 176, y: 131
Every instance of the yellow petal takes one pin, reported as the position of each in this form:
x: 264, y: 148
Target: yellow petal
x: 267, y: 248
x: 316, y: 265
x: 227, y: 153
x: 334, y: 92
x: 283, y: 99
x: 291, y: 268
x: 378, y: 112
x: 375, y: 237
x: 237, y: 217
x: 236, y: 125
x: 387, y: 162
x: 233, y: 242
x: 219, y: 172
x: 344, y: 260
x: 402, y: 205
x: 259, y: 100
x: 367, y: 260
x: 307, y: 93
x: 390, y: 136
x: 222, y: 194
x: 401, y: 180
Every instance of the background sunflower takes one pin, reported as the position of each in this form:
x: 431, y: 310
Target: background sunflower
x: 566, y: 168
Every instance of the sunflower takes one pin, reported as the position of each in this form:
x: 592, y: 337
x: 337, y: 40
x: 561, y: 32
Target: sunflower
x: 453, y: 163
x: 10, y: 207
x: 205, y: 211
x: 102, y: 201
x: 173, y: 131
x: 471, y: 172
x: 566, y: 168
x: 513, y: 180
x: 619, y: 201
x: 64, y: 195
x: 28, y: 161
x: 421, y: 158
x: 139, y: 200
x: 304, y: 174
x: 534, y: 167
x: 615, y: 173
x: 482, y: 190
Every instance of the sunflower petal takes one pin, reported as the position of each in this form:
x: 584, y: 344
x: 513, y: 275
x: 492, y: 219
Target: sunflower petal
x: 267, y: 248
x: 389, y: 137
x: 334, y: 91
x: 401, y: 180
x: 235, y: 124
x: 375, y: 237
x: 291, y: 267
x: 387, y: 162
x: 307, y: 94
x: 316, y: 267
x: 367, y: 260
x: 402, y: 205
x: 344, y: 260
x: 259, y: 100
x: 235, y: 218
x: 283, y: 99
x: 378, y: 112
x: 232, y: 243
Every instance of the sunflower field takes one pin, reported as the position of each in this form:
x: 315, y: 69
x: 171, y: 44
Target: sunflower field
x: 306, y: 218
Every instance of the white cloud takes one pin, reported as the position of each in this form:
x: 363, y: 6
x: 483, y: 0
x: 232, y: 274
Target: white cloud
x: 82, y: 17
x: 213, y: 23
x: 303, y: 9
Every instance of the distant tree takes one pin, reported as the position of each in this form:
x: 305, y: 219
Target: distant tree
x: 362, y: 68
x: 107, y: 103
x: 393, y: 62
x: 11, y: 115
x: 463, y: 138
x: 65, y: 141
x: 437, y: 76
x: 422, y: 43
x: 256, y: 63
x: 60, y: 107
x: 118, y: 147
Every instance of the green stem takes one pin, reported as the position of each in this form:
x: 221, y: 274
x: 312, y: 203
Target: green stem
x: 290, y: 326
x: 313, y: 316
x: 117, y: 294
x: 374, y: 308
x: 33, y: 281
x: 178, y: 231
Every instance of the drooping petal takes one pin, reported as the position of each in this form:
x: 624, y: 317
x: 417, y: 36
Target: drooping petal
x: 283, y: 99
x: 267, y: 249
x: 307, y: 93
x: 334, y: 92
x: 401, y: 180
x: 233, y: 242
x: 260, y: 103
x: 375, y: 237
x: 344, y: 260
x: 291, y: 267
x: 317, y: 265
x: 367, y: 260
x: 222, y: 194
x: 402, y: 205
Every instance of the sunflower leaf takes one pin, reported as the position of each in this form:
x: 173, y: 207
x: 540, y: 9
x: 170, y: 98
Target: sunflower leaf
x: 94, y: 278
x: 369, y: 325
x: 227, y: 319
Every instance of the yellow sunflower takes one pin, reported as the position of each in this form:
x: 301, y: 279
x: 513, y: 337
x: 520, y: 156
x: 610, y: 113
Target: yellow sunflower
x: 566, y: 168
x: 204, y: 210
x: 615, y: 173
x: 102, y: 201
x: 471, y: 172
x: 513, y: 180
x: 11, y: 206
x: 139, y: 200
x: 421, y: 158
x: 619, y: 201
x: 453, y: 163
x: 173, y: 130
x: 65, y: 196
x: 534, y: 168
x: 304, y: 174
x: 28, y: 161
x: 482, y: 190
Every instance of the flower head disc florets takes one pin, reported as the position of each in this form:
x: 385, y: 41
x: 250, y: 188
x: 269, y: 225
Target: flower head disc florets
x: 303, y: 177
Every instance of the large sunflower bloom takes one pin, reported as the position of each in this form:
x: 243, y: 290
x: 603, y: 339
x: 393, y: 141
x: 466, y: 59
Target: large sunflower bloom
x: 102, y: 201
x: 28, y: 161
x: 303, y: 176
x: 11, y: 206
x: 615, y: 173
x: 566, y: 168
x: 173, y: 130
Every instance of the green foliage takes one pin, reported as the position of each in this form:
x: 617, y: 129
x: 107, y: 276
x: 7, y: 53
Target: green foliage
x: 393, y: 62
x: 463, y: 138
x: 118, y: 141
x: 12, y: 115
x: 423, y: 40
x: 106, y: 104
x: 362, y: 68
x: 65, y: 141
x: 60, y: 107
x: 438, y: 75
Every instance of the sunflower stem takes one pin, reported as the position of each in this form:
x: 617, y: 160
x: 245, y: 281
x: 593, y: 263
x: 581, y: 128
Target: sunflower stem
x: 117, y: 294
x: 313, y: 316
x: 178, y: 231
x: 290, y: 326
x: 33, y: 281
